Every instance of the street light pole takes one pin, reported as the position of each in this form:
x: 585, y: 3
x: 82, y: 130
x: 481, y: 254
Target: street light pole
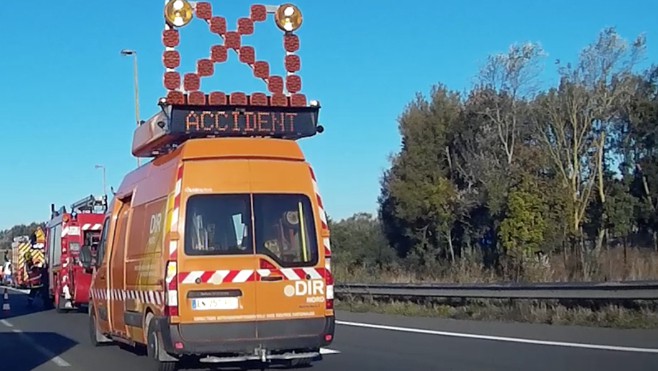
x: 133, y: 53
x: 104, y: 181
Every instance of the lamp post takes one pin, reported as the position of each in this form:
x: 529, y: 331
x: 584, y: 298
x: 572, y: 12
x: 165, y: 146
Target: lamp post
x: 104, y: 182
x: 133, y: 53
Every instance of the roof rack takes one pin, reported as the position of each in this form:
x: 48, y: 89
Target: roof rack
x: 188, y: 113
x: 89, y: 204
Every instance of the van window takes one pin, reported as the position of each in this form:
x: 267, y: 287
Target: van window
x: 100, y: 253
x: 221, y: 225
x: 285, y: 230
x: 218, y: 225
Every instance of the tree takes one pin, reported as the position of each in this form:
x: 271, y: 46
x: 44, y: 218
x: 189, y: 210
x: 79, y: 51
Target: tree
x: 573, y: 118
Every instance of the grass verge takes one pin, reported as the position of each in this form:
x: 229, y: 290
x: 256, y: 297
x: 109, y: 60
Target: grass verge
x: 638, y: 314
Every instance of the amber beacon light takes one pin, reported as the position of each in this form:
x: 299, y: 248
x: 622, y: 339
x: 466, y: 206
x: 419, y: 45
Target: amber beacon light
x: 288, y: 17
x: 178, y: 12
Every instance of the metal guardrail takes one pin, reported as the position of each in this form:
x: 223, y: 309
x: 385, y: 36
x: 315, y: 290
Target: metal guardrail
x: 628, y: 290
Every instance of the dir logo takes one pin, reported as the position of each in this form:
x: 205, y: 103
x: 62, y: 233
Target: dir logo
x: 304, y: 288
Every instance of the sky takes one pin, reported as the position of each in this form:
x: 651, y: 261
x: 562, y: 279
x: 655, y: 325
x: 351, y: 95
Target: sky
x: 67, y: 98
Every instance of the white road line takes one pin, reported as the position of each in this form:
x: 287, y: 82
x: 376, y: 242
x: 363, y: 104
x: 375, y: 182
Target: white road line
x: 6, y: 323
x: 325, y: 351
x: 501, y: 338
x: 50, y: 355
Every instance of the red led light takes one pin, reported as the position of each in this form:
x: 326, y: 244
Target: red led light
x: 178, y: 345
x: 275, y: 84
x: 238, y: 99
x: 205, y: 67
x: 217, y: 98
x: 170, y: 38
x: 245, y: 26
x: 175, y: 97
x: 204, y: 10
x: 258, y: 99
x: 172, y: 80
x: 247, y: 55
x: 196, y: 98
x: 293, y: 83
x: 278, y: 99
x: 298, y: 100
x: 262, y: 70
x: 293, y: 63
x: 291, y: 43
x: 171, y: 59
x: 258, y: 13
x: 328, y: 337
x: 218, y: 54
x: 191, y: 82
x: 218, y: 25
x: 233, y: 40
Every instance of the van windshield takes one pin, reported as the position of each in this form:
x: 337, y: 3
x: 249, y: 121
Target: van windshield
x: 280, y: 226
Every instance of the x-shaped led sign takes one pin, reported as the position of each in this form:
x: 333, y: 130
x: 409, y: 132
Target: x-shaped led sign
x: 284, y: 91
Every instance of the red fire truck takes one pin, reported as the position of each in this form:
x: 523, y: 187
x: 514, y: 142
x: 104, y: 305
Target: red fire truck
x: 68, y: 231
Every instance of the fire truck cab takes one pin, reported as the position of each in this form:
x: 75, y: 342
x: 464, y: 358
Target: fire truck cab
x: 68, y: 231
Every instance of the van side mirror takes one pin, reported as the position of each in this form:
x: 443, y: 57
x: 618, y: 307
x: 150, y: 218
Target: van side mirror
x: 86, y: 257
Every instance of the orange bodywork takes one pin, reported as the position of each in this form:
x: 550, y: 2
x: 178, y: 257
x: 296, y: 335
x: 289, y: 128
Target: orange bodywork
x: 165, y: 249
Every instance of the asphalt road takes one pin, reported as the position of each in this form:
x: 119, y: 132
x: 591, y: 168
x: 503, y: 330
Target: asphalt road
x: 33, y: 339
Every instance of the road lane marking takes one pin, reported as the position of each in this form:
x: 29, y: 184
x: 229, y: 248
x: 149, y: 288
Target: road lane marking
x: 47, y: 353
x: 22, y: 291
x: 325, y: 351
x: 6, y: 323
x: 501, y: 338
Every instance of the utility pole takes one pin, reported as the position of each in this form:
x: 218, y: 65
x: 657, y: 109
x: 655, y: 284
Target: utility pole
x: 133, y: 53
x: 104, y: 180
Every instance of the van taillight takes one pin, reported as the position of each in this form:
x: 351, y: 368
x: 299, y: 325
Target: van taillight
x: 171, y: 290
x: 329, y: 282
x: 264, y: 264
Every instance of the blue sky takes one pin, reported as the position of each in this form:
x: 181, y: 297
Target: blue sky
x: 67, y: 94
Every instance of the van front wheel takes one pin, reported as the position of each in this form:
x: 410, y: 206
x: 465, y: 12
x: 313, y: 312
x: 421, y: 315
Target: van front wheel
x: 153, y: 347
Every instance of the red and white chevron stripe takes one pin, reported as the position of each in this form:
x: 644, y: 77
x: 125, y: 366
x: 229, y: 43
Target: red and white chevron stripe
x: 143, y: 296
x: 173, y: 245
x: 249, y: 275
x: 93, y: 227
x: 322, y: 212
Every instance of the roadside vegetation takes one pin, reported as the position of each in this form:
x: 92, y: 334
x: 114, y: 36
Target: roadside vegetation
x: 518, y: 180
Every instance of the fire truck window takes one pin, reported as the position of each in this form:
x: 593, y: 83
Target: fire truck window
x: 57, y: 245
x: 285, y: 229
x: 218, y: 225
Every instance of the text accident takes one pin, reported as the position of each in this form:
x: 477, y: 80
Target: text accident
x: 217, y: 250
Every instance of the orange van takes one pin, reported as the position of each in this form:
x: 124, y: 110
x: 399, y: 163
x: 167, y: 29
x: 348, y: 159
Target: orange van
x: 218, y: 249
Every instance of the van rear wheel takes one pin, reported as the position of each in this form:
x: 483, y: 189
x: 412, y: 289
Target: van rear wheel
x: 153, y: 347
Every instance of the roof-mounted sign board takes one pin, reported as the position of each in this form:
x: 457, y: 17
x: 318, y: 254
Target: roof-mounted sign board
x: 279, y: 122
x: 178, y: 123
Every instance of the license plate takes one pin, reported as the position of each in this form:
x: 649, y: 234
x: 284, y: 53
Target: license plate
x: 215, y: 304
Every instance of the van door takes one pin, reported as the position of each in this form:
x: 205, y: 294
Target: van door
x: 217, y: 266
x: 291, y: 289
x: 117, y: 268
x: 101, y: 289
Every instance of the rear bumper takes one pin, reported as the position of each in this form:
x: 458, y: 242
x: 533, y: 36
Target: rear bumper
x: 238, y: 338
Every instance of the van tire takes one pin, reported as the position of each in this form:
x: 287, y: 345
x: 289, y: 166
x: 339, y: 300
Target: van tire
x: 153, y: 347
x: 95, y: 336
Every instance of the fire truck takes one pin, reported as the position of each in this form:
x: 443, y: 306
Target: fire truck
x: 27, y: 251
x: 68, y: 231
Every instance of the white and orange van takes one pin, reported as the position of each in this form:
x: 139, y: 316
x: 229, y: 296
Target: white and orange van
x: 218, y: 249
